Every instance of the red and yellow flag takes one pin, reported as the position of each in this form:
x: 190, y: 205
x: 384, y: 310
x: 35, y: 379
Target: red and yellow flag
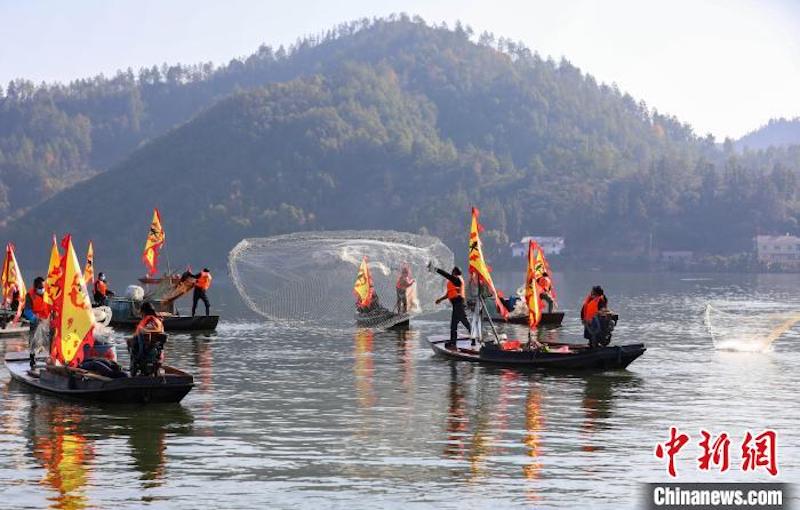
x: 11, y: 280
x: 543, y: 266
x: 74, y: 321
x: 51, y: 288
x: 477, y: 264
x: 155, y: 239
x: 88, y: 270
x: 363, y: 285
x: 532, y: 298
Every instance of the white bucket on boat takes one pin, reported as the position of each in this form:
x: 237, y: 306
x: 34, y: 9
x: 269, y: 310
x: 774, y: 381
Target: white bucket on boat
x: 134, y: 292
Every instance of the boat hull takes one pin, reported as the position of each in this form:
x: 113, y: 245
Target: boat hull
x: 171, y: 387
x: 548, y: 319
x: 580, y: 357
x: 176, y: 323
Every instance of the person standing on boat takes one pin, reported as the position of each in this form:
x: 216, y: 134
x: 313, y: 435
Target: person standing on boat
x: 35, y: 310
x: 456, y: 294
x: 545, y: 284
x: 101, y: 290
x: 594, y: 304
x: 404, y: 282
x: 201, y: 285
x: 150, y: 323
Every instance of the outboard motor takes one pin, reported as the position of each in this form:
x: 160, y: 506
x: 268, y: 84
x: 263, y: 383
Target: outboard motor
x: 147, y: 353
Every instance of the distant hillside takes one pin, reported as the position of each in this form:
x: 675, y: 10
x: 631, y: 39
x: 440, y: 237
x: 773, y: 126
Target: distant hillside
x: 777, y: 133
x: 401, y: 125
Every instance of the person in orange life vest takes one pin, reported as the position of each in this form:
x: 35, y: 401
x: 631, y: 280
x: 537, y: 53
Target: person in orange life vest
x: 35, y: 310
x: 201, y: 286
x: 101, y: 290
x: 546, y: 287
x: 403, y: 283
x: 149, y: 323
x: 595, y: 304
x: 456, y: 294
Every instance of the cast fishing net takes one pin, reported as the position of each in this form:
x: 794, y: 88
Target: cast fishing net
x: 308, y: 276
x: 746, y: 327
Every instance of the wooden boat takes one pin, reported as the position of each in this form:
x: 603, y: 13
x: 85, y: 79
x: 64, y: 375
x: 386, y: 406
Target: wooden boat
x: 125, y: 315
x: 381, y: 317
x: 85, y: 385
x: 148, y: 280
x: 559, y: 357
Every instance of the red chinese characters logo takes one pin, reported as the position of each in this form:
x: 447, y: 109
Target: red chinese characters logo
x: 758, y: 452
x: 671, y: 448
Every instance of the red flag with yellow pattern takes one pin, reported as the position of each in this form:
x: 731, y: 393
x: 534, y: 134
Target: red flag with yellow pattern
x: 11, y: 279
x: 74, y: 321
x: 51, y: 288
x: 155, y: 240
x: 532, y: 298
x: 477, y: 264
x: 543, y: 266
x: 362, y: 288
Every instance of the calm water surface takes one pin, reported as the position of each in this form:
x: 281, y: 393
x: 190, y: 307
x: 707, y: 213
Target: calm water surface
x: 283, y: 417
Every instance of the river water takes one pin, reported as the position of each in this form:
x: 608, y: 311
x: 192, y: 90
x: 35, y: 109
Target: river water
x: 283, y: 417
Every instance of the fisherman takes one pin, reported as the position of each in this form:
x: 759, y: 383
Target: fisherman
x: 404, y: 282
x: 150, y: 323
x: 35, y: 310
x: 456, y: 294
x: 594, y: 307
x: 546, y: 286
x: 101, y: 290
x: 201, y: 286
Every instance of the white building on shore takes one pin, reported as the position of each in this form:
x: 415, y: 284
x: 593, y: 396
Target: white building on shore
x: 550, y: 245
x: 778, y: 249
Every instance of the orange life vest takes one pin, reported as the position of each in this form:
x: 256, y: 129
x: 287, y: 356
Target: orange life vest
x: 149, y: 324
x: 38, y: 306
x: 546, y: 284
x: 590, y: 307
x: 204, y: 281
x: 454, y: 291
x: 100, y: 287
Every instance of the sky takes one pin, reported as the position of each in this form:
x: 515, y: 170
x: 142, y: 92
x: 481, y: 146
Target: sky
x: 725, y: 67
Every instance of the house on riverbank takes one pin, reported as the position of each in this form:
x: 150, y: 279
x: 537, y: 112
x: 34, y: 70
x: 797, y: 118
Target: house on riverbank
x: 781, y: 251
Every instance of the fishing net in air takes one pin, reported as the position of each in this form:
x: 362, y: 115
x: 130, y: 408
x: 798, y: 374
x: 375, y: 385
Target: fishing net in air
x: 309, y: 276
x: 742, y: 327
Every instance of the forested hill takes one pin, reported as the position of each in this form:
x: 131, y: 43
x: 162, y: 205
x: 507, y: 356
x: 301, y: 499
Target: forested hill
x: 396, y: 124
x: 777, y: 133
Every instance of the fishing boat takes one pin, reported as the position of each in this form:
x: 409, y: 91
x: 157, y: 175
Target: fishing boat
x: 76, y: 383
x: 559, y: 356
x: 515, y: 316
x: 74, y: 370
x: 369, y: 312
x: 125, y: 314
x: 520, y: 353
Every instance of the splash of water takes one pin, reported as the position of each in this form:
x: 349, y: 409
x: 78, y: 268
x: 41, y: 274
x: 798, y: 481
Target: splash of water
x: 745, y: 331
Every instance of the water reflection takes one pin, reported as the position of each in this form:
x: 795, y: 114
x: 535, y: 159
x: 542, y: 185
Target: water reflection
x: 63, y: 438
x: 363, y: 367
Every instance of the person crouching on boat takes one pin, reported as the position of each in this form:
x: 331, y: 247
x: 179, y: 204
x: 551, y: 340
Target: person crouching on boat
x: 456, y: 294
x: 545, y: 284
x: 593, y: 307
x: 201, y: 286
x: 150, y: 323
x: 404, y: 282
x: 35, y: 310
x: 101, y: 290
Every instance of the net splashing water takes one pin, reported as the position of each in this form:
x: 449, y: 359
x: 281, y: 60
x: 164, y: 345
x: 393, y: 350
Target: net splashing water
x: 746, y: 330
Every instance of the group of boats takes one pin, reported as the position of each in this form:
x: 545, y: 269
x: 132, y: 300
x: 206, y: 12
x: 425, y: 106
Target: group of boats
x: 526, y: 309
x: 72, y: 351
x: 81, y: 363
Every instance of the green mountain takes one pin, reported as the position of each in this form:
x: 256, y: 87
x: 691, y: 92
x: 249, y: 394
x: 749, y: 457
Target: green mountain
x: 397, y: 124
x: 777, y: 133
